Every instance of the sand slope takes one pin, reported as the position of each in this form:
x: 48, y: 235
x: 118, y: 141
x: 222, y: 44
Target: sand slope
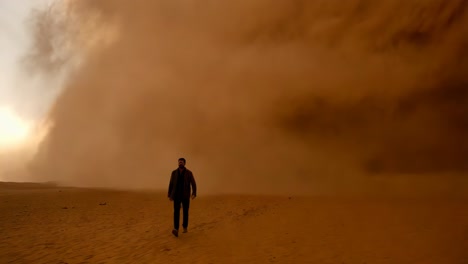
x: 70, y: 225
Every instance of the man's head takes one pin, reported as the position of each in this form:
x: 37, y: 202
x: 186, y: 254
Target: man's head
x: 181, y: 162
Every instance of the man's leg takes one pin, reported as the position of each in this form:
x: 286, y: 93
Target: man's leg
x: 185, y: 206
x: 176, y: 214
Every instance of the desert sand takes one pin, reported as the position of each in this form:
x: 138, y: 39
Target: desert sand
x: 48, y: 224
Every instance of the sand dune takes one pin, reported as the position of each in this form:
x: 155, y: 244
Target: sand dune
x: 72, y: 225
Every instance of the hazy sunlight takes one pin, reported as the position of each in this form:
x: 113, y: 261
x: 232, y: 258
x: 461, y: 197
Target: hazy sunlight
x: 13, y: 130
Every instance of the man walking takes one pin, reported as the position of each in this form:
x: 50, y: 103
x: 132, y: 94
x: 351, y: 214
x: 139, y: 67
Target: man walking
x: 180, y: 193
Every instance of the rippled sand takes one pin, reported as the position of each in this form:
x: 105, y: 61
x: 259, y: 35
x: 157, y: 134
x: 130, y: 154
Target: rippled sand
x: 47, y: 224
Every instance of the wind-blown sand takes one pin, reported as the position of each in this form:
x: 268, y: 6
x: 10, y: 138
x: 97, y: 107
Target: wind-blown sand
x: 47, y: 224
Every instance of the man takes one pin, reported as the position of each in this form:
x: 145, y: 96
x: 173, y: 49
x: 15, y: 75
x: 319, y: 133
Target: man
x: 179, y: 192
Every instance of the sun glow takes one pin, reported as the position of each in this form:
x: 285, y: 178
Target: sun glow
x: 14, y: 131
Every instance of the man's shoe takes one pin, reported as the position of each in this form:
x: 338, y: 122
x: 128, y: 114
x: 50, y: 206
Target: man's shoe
x: 185, y: 230
x: 175, y: 232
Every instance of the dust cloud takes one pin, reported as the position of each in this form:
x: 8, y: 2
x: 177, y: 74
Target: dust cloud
x: 258, y: 96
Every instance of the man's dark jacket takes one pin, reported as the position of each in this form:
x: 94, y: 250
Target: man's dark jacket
x: 188, y: 180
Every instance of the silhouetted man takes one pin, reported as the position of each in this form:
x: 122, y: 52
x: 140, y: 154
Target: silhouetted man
x: 180, y: 192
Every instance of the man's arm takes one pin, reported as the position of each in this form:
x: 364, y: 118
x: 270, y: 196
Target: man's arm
x: 194, y: 186
x: 171, y: 185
